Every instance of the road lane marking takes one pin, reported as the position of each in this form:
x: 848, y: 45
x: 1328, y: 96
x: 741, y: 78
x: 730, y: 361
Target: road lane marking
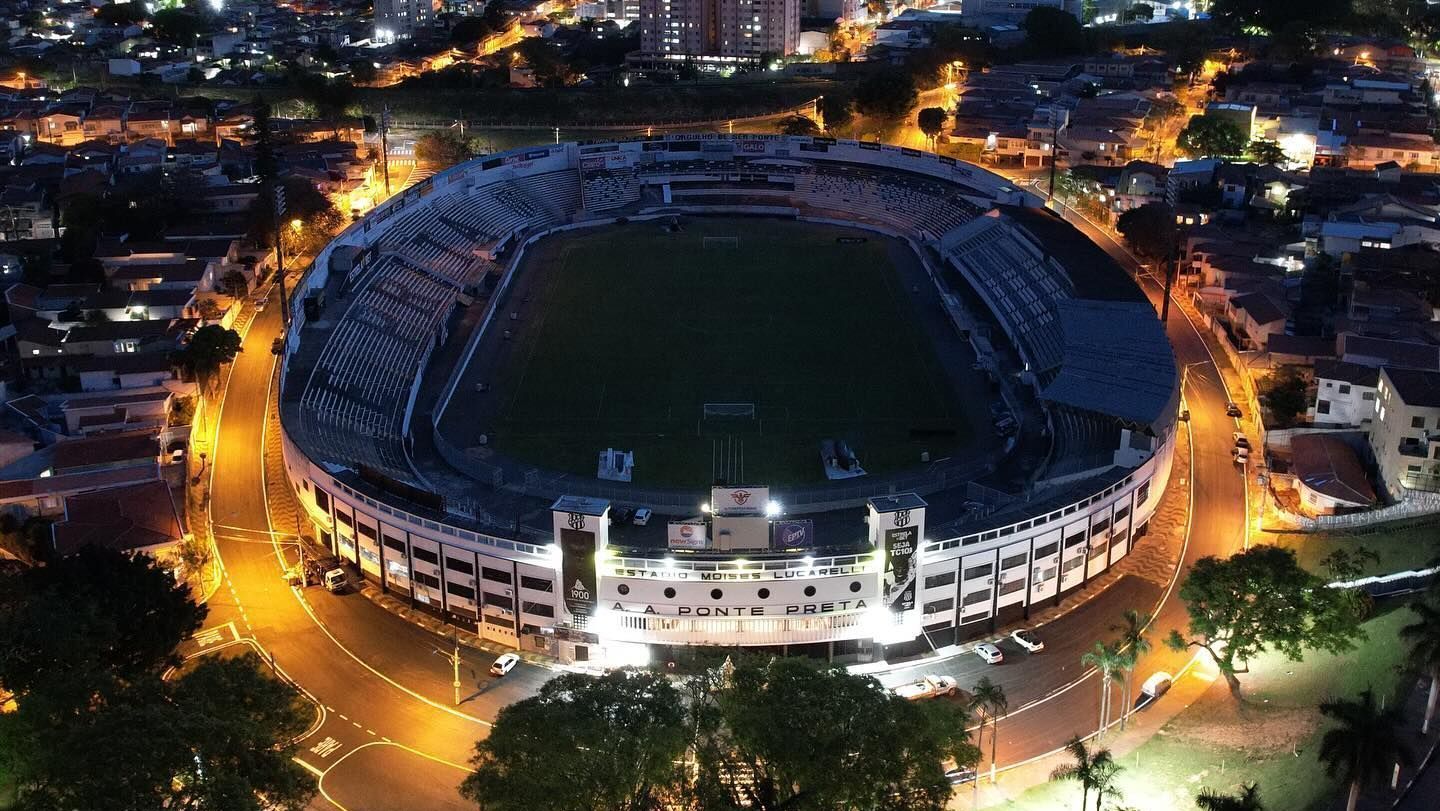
x: 326, y: 747
x: 309, y: 768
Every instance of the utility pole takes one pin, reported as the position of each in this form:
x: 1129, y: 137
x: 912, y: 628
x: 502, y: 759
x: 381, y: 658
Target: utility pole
x: 1172, y: 265
x: 279, y: 192
x: 385, y: 145
x: 1054, y: 149
x: 454, y: 657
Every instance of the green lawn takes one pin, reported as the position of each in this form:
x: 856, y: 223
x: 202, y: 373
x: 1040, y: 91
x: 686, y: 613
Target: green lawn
x: 637, y: 328
x: 1270, y: 738
x: 1400, y: 546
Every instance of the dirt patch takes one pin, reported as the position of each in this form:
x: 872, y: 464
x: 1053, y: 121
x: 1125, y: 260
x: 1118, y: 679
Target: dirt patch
x: 1250, y: 726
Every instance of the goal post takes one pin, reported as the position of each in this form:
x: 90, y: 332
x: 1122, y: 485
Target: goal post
x: 720, y: 242
x: 727, y: 417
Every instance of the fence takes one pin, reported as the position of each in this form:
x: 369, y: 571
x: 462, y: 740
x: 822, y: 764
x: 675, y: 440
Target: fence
x: 1412, y: 506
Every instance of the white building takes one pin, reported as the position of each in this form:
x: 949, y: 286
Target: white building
x: 1344, y: 394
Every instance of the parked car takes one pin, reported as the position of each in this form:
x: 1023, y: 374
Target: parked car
x: 504, y: 664
x: 261, y: 304
x: 642, y: 517
x: 1242, y: 441
x: 1027, y: 640
x: 991, y: 654
x: 1157, y: 685
x: 1240, y: 455
x: 1232, y: 410
x: 335, y: 581
x: 621, y: 515
x: 960, y: 774
x: 927, y: 687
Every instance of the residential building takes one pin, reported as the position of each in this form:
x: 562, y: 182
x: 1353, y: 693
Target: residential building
x: 717, y: 33
x: 1344, y: 394
x: 396, y: 19
x: 1405, y: 436
x: 1329, y: 474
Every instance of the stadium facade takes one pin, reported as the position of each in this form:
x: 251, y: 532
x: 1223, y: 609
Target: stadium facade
x: 384, y: 324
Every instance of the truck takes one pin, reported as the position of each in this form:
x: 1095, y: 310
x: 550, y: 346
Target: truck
x: 927, y: 687
x: 335, y: 581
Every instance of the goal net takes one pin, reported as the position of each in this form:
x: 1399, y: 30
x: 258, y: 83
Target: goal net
x: 742, y: 410
x: 727, y: 418
x: 720, y: 242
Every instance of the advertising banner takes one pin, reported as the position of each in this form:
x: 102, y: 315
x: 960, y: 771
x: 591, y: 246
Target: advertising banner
x: 687, y: 535
x: 793, y: 534
x: 900, y: 546
x: 739, y: 500
x: 577, y: 570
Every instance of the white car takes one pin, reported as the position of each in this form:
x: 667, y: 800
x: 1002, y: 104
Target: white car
x: 641, y: 517
x: 1241, y: 441
x: 1157, y: 685
x: 1027, y: 640
x: 927, y: 687
x: 261, y: 304
x: 1240, y: 455
x: 504, y: 664
x: 991, y: 654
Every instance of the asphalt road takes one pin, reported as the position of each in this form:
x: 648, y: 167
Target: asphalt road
x: 386, y: 728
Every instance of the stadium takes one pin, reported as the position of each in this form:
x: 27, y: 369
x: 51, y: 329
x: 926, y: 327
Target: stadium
x: 876, y: 399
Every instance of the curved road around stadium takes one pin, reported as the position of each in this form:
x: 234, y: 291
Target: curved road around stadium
x: 388, y: 735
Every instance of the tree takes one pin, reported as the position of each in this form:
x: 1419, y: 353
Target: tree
x: 1247, y: 799
x: 798, y: 125
x: 1108, y: 661
x: 1365, y: 745
x: 887, y: 94
x: 120, y: 13
x: 836, y: 111
x: 1266, y: 151
x: 931, y: 121
x: 363, y: 71
x: 221, y: 736
x: 211, y: 347
x: 1051, y: 30
x: 443, y: 148
x: 177, y: 26
x: 1207, y: 136
x: 1423, y: 636
x: 470, y: 29
x: 234, y: 284
x: 1150, y: 231
x: 989, y: 698
x: 1133, y: 644
x: 1284, y: 395
x: 863, y: 747
x: 90, y: 623
x: 1260, y: 600
x: 1092, y: 769
x: 611, y: 742
x: 266, y: 165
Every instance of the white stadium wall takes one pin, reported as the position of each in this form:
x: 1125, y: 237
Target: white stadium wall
x: 512, y: 592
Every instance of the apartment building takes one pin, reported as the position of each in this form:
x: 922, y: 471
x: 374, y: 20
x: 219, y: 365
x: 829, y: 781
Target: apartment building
x: 1405, y: 434
x: 717, y: 33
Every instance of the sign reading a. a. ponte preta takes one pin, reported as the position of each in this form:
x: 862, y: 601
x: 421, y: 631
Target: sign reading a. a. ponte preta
x: 577, y: 571
x: 900, y: 544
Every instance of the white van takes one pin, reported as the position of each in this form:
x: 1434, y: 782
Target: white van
x: 1157, y: 685
x: 335, y: 581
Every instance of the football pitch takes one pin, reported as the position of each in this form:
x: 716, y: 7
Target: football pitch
x: 627, y: 333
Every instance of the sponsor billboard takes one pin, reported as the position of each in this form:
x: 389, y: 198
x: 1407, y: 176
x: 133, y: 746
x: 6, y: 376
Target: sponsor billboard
x: 577, y: 571
x: 739, y: 500
x: 900, y: 546
x: 793, y: 534
x: 687, y: 535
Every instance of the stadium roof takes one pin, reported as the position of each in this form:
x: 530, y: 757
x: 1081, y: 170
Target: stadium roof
x: 1117, y: 361
x: 1093, y: 273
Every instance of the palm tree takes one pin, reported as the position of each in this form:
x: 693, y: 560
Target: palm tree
x: 1135, y: 644
x: 1092, y: 770
x: 1108, y: 660
x: 1365, y: 745
x: 989, y: 698
x: 1247, y: 800
x: 1424, y: 638
x: 1105, y: 773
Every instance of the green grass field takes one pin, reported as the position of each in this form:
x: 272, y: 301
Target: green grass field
x: 632, y: 329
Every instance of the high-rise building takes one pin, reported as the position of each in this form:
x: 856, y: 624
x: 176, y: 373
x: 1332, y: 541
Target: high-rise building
x: 396, y: 19
x: 718, y: 32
